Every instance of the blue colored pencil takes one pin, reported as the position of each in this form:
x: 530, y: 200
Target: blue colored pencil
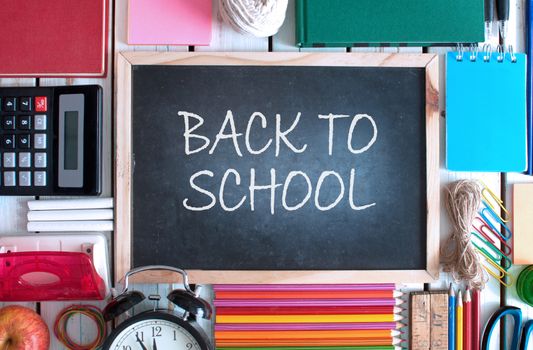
x: 451, y: 319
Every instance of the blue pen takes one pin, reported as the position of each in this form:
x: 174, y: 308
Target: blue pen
x: 451, y: 319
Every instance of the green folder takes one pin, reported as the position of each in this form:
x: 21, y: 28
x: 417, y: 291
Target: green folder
x: 344, y: 23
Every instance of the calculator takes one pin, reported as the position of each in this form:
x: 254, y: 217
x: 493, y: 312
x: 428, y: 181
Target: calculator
x: 51, y: 140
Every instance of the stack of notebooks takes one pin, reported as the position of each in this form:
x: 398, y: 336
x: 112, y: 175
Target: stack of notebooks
x: 307, y: 316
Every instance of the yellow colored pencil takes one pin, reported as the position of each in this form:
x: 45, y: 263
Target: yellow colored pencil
x: 459, y: 323
x: 306, y: 318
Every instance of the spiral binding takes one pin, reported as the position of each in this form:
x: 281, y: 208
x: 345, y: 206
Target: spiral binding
x: 486, y: 53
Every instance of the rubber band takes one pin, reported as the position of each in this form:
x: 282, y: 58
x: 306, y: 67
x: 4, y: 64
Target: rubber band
x: 93, y: 313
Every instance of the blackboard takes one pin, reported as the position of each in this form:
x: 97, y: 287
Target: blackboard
x: 245, y: 169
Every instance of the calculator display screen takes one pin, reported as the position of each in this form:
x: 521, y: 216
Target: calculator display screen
x: 71, y: 140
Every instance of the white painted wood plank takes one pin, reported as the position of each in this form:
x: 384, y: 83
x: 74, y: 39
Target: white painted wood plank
x: 490, y: 298
x: 225, y: 38
x: 516, y: 34
x: 82, y: 328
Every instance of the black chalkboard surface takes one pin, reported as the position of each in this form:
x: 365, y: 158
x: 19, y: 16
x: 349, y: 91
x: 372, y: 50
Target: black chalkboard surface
x: 278, y: 168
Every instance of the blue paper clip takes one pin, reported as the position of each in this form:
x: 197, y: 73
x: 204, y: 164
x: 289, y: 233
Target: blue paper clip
x: 496, y: 218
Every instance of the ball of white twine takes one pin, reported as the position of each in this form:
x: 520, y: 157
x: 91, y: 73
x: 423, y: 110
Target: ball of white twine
x: 260, y: 18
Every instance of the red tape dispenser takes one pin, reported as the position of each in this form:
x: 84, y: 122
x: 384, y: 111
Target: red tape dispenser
x: 45, y: 276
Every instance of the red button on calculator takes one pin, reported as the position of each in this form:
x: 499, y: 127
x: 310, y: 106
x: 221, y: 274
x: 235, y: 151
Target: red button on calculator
x: 40, y: 103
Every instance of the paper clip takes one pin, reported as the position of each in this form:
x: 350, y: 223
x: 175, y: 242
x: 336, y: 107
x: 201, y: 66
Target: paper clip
x: 497, y: 275
x: 495, y: 198
x: 498, y: 220
x: 484, y: 230
x: 495, y: 254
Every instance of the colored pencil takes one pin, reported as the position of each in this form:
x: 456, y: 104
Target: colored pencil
x: 459, y: 323
x: 287, y: 335
x: 306, y: 318
x: 451, y: 319
x: 307, y: 326
x: 476, y: 312
x: 467, y: 322
x: 300, y: 287
x: 377, y: 347
x: 308, y: 302
x: 308, y: 294
x: 387, y: 341
x: 287, y: 310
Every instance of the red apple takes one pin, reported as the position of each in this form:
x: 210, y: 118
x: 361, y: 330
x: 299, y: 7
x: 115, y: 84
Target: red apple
x: 21, y: 328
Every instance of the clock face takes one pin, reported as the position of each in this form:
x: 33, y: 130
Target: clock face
x: 156, y: 333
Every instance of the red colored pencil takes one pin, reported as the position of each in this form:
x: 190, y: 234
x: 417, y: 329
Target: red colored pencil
x: 476, y: 312
x: 326, y: 310
x: 467, y: 322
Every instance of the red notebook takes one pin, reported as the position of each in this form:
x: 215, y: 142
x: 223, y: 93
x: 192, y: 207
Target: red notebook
x: 53, y: 38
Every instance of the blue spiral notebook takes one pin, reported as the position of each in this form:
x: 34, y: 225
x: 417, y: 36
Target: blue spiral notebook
x: 486, y: 112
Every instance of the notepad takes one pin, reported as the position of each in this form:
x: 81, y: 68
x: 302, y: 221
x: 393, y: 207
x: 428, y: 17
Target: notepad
x: 53, y: 38
x: 388, y: 22
x: 169, y: 22
x: 522, y: 223
x: 486, y: 113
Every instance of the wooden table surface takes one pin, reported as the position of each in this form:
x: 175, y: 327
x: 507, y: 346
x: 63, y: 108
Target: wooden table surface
x: 13, y: 210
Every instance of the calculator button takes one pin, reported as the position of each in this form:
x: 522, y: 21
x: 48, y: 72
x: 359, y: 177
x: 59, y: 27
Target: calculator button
x: 24, y: 122
x: 24, y: 159
x: 9, y: 178
x: 8, y: 122
x: 40, y: 103
x: 39, y: 141
x: 24, y: 178
x: 9, y: 160
x: 10, y: 104
x: 25, y: 104
x: 40, y: 160
x: 39, y: 178
x: 40, y: 122
x: 8, y: 141
x: 23, y: 141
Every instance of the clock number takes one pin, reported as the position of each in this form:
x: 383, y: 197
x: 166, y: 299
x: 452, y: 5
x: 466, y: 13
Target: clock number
x: 126, y: 347
x: 174, y: 335
x: 156, y: 331
x: 189, y: 346
x: 140, y: 335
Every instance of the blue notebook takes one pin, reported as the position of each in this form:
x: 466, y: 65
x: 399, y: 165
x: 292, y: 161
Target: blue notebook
x: 486, y: 112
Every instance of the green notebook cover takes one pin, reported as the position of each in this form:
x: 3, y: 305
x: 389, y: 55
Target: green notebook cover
x: 388, y: 22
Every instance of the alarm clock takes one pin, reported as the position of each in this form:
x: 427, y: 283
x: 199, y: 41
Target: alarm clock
x: 158, y: 328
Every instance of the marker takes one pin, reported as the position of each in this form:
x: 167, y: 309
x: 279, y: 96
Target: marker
x: 489, y: 17
x: 503, y: 16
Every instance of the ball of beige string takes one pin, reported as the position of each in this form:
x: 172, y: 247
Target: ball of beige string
x: 260, y: 18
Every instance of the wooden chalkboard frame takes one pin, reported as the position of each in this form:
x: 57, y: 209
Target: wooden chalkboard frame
x: 123, y: 166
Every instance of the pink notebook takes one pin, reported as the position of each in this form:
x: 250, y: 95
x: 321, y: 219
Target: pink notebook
x: 169, y: 22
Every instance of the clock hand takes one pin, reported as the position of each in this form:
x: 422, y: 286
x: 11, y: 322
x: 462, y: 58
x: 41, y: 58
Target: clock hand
x: 140, y: 342
x: 154, y: 347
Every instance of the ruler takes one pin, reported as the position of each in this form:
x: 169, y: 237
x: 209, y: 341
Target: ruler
x: 420, y: 322
x: 428, y: 328
x: 439, y: 320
